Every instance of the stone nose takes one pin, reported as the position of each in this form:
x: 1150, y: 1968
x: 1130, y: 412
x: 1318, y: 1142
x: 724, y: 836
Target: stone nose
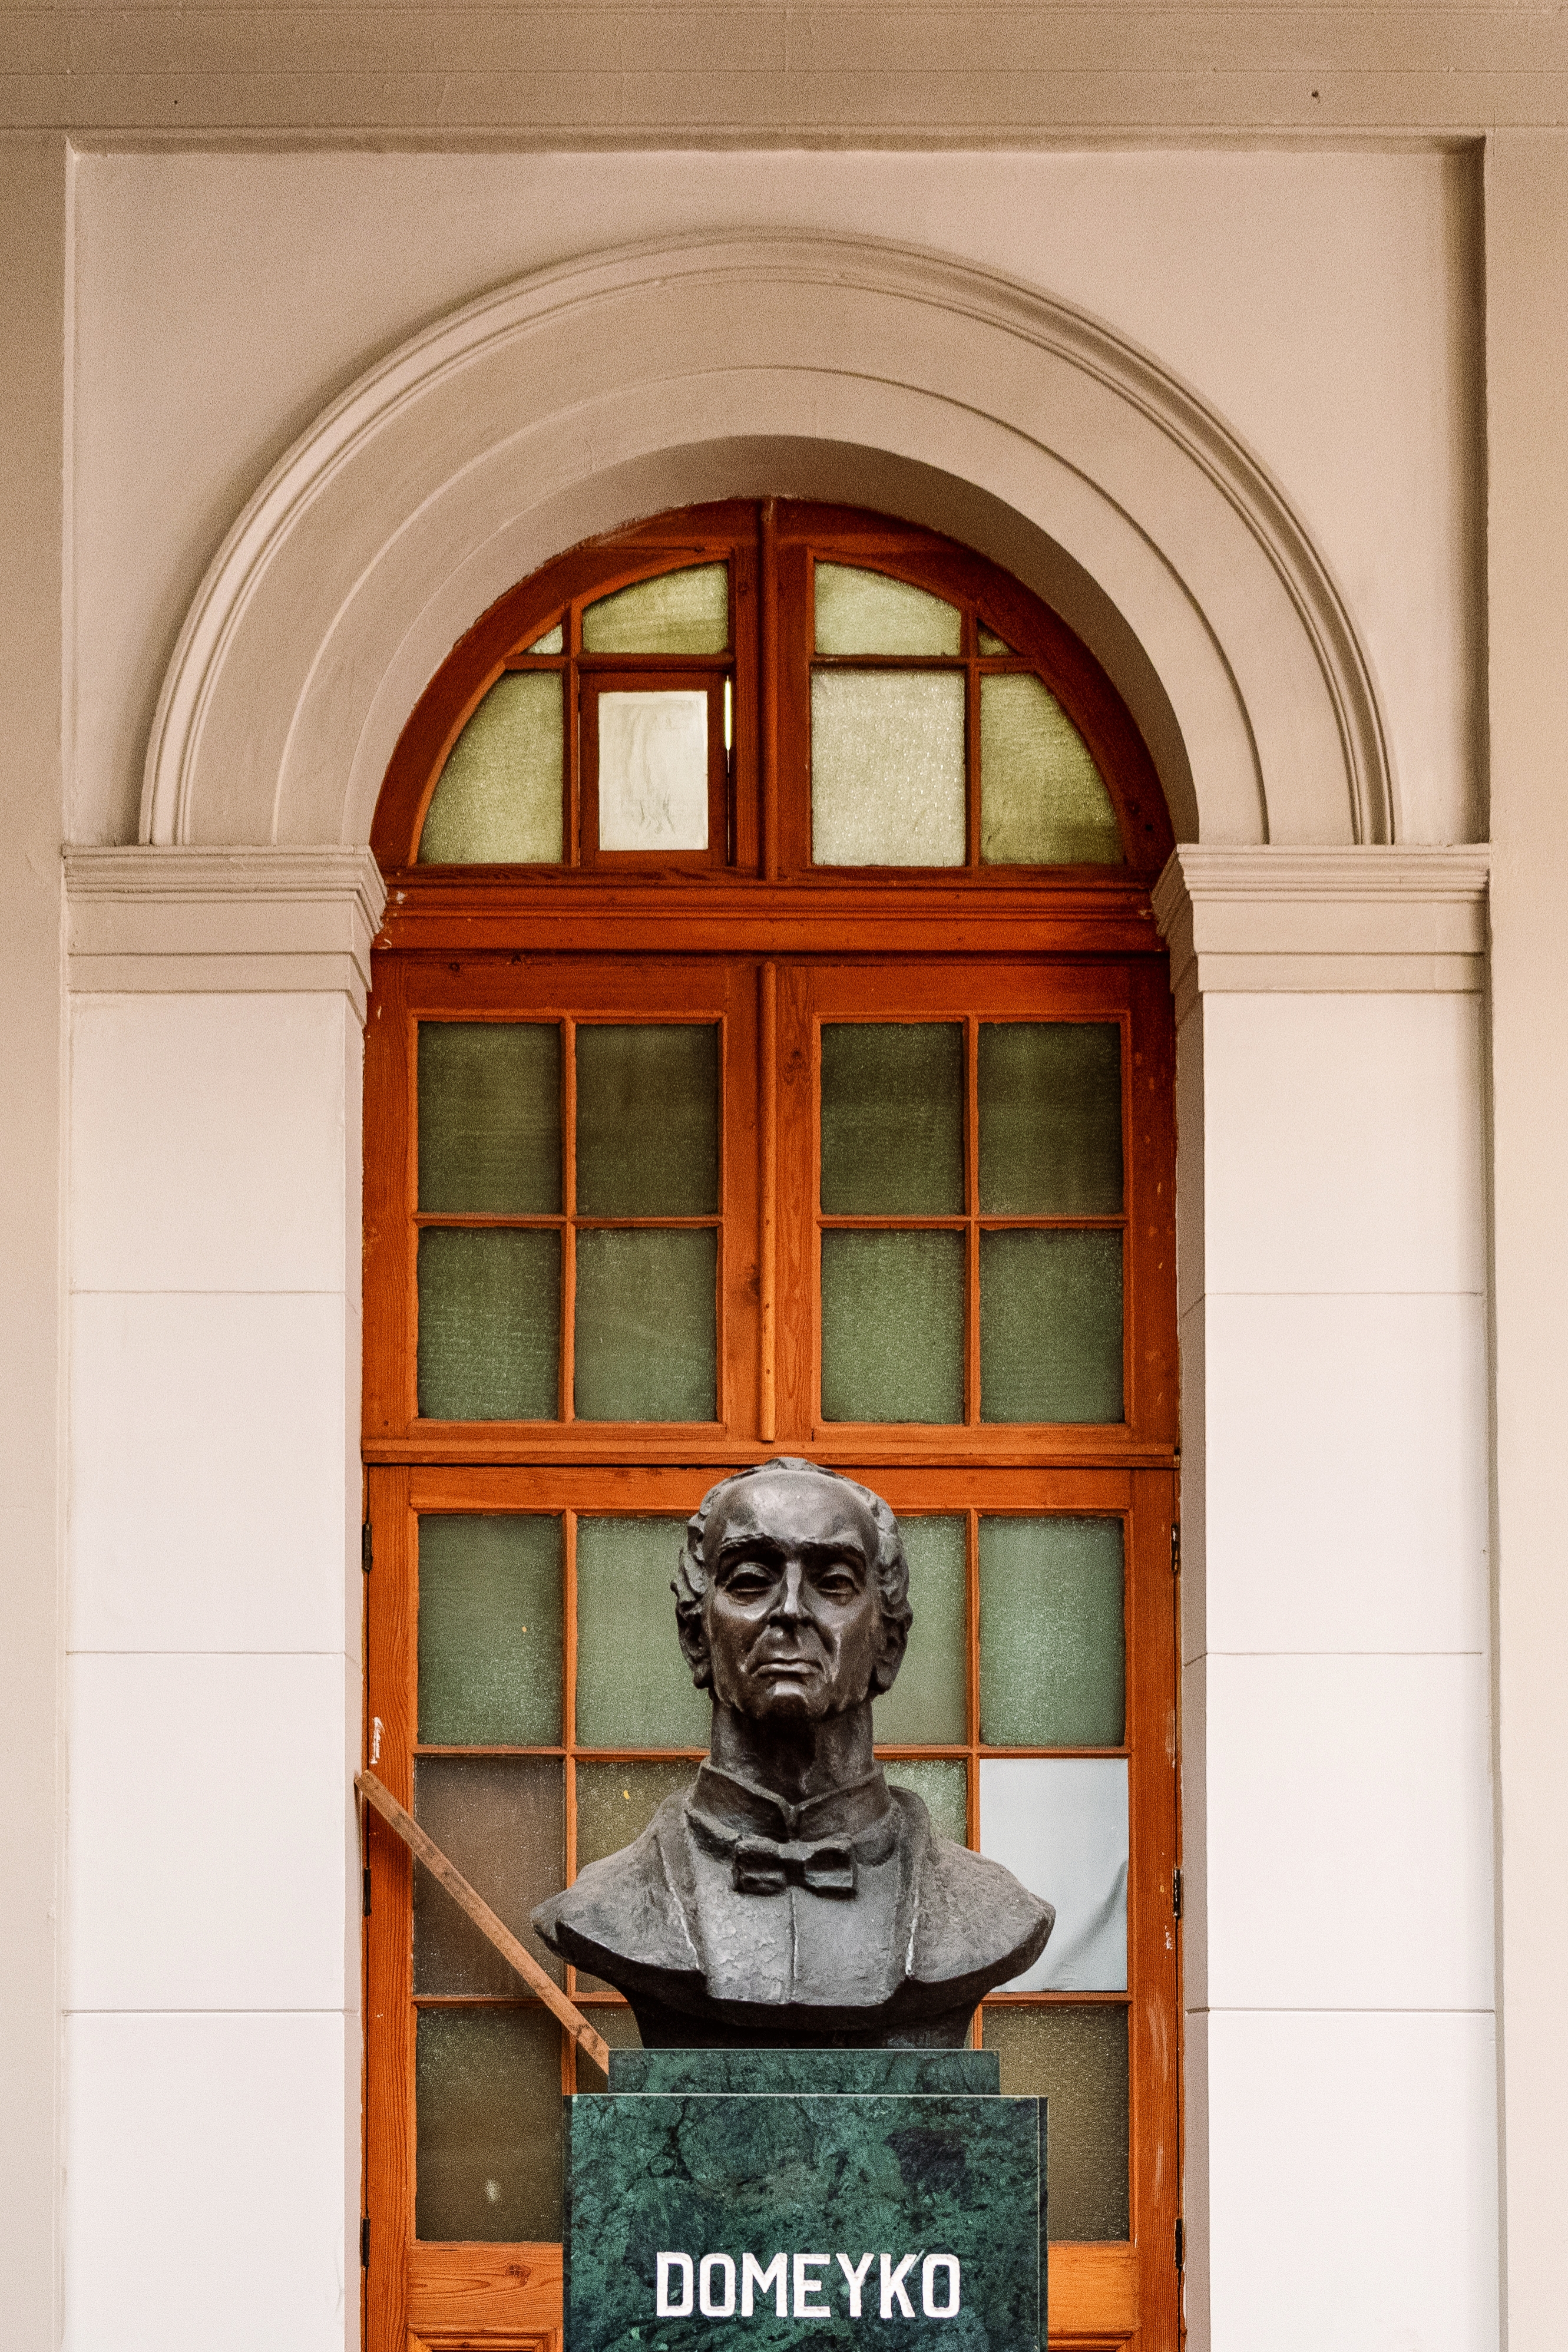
x: 789, y: 1606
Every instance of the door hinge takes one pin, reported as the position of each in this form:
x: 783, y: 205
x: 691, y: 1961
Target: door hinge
x: 1175, y: 1546
x: 367, y: 1548
x: 1180, y: 2246
x: 365, y: 2241
x: 1176, y: 1894
x: 367, y: 1889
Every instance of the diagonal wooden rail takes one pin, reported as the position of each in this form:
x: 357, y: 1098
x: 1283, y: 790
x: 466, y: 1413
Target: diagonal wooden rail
x: 515, y: 1955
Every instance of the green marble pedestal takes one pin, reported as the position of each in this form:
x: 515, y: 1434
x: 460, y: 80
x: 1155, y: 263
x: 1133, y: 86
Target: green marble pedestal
x: 776, y: 2198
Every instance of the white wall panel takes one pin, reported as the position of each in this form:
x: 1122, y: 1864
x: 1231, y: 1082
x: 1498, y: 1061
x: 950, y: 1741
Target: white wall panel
x: 210, y: 1849
x: 210, y: 2184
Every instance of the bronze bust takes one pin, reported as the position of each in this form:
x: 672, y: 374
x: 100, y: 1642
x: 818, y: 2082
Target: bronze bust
x: 789, y: 1896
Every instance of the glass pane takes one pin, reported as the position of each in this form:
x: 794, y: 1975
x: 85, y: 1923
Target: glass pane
x: 991, y: 644
x: 502, y: 1820
x: 498, y: 801
x: 892, y: 1119
x: 615, y: 1803
x: 645, y: 1326
x: 942, y: 1785
x: 887, y: 768
x: 1076, y: 2058
x: 614, y: 2022
x: 1042, y: 802
x: 866, y: 613
x: 1060, y: 1823
x: 634, y: 1688
x: 892, y: 1326
x: 1052, y: 1665
x: 652, y: 771
x: 489, y: 1326
x: 925, y: 1707
x: 1051, y: 1119
x: 678, y: 613
x: 647, y: 1121
x: 489, y: 1116
x: 1051, y: 1327
x: 552, y: 642
x: 489, y: 1632
x: 488, y: 2093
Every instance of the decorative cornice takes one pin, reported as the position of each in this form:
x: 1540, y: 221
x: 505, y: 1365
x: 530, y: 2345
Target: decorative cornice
x: 164, y: 920
x: 1339, y: 921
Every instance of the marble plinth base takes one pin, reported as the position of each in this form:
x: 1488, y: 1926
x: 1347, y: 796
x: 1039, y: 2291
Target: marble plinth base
x: 711, y: 2193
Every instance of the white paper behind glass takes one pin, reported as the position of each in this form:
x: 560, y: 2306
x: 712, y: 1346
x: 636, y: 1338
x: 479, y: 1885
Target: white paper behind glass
x: 652, y: 771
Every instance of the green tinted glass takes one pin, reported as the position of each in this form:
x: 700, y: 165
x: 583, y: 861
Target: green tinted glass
x: 634, y: 1688
x: 615, y: 1803
x: 925, y: 1707
x: 488, y: 2138
x: 502, y: 1820
x: 1051, y: 1327
x: 892, y: 1119
x: 941, y: 1784
x: 1053, y: 1650
x: 552, y: 642
x: 892, y: 1326
x: 498, y: 801
x: 489, y: 1325
x: 1042, y: 799
x: 646, y: 1332
x: 991, y: 643
x: 1075, y: 2055
x: 887, y: 768
x: 678, y: 613
x: 489, y: 1116
x: 614, y: 2022
x: 647, y: 1121
x: 862, y: 612
x: 489, y: 1632
x: 1051, y: 1119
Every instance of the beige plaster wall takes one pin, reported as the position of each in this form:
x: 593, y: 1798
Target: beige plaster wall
x: 1325, y: 304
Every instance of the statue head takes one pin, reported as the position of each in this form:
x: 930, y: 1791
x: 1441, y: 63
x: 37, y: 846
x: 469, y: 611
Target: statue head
x: 792, y: 1592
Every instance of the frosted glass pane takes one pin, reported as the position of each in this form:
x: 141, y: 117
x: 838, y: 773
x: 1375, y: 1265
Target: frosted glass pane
x: 634, y: 1688
x: 942, y: 1785
x: 1051, y: 1119
x: 892, y: 1326
x: 498, y: 801
x: 502, y: 1820
x: 678, y: 613
x: 652, y: 771
x: 615, y: 1803
x: 1042, y: 802
x: 892, y: 1119
x: 552, y: 642
x: 489, y: 1632
x: 647, y: 1119
x: 1052, y: 1662
x: 925, y: 1707
x: 489, y: 1326
x: 1077, y: 2059
x: 488, y: 2140
x: 866, y: 613
x: 1060, y: 1824
x: 615, y: 2023
x: 991, y: 644
x: 1051, y: 1327
x: 887, y: 768
x: 645, y: 1326
x: 489, y: 1116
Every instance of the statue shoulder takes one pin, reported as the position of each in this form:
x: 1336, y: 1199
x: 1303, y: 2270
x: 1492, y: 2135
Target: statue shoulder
x: 625, y: 1905
x: 972, y: 1915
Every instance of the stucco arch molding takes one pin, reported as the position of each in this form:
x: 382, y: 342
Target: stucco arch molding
x: 601, y: 389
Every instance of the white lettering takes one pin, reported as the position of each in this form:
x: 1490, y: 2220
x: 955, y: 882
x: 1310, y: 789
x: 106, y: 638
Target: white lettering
x: 776, y: 2276
x: 893, y: 2284
x: 855, y: 2279
x: 710, y: 2309
x: 928, y: 2269
x: 807, y: 2285
x: 683, y: 2264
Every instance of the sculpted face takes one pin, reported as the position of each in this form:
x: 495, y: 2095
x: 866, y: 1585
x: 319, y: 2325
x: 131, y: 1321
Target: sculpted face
x: 794, y: 1624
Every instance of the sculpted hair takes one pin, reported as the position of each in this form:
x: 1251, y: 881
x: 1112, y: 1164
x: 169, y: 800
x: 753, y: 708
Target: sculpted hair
x: 890, y: 1567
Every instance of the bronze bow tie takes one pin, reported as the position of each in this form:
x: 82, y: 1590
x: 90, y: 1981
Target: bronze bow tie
x: 761, y: 1865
